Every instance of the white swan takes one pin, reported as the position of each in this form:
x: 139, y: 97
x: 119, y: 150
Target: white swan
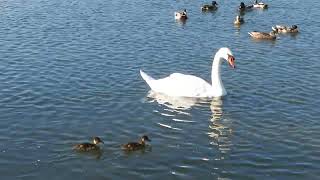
x: 178, y: 84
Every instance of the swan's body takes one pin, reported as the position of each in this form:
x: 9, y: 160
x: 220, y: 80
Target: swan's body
x: 239, y: 20
x: 183, y: 85
x: 285, y: 29
x: 263, y: 35
x: 181, y: 15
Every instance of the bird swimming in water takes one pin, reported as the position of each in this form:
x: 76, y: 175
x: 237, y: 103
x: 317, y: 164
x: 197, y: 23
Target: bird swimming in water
x: 133, y: 146
x: 181, y: 15
x: 243, y: 7
x: 208, y: 7
x: 285, y: 29
x: 89, y: 146
x: 239, y: 20
x: 263, y: 35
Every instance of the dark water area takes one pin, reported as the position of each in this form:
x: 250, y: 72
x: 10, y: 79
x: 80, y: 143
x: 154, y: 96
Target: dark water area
x: 70, y: 71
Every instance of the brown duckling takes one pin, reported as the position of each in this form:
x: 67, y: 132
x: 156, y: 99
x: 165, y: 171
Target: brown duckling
x: 89, y: 146
x: 133, y: 146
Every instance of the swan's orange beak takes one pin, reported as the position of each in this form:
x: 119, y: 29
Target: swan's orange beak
x: 231, y: 61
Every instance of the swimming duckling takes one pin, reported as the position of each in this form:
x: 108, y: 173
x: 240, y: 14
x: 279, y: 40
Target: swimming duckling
x: 243, y: 7
x: 88, y: 146
x: 208, y: 7
x: 239, y: 20
x: 181, y: 15
x: 263, y: 35
x: 285, y: 29
x: 133, y: 146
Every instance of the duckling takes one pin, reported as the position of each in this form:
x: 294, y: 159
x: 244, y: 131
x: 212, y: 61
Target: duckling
x: 133, y: 146
x: 181, y: 15
x: 260, y: 5
x: 88, y: 146
x: 285, y: 29
x: 239, y: 20
x: 263, y: 35
x: 208, y: 7
x: 243, y: 7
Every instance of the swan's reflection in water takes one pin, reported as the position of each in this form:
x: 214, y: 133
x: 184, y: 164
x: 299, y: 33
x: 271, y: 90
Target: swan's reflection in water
x: 220, y: 128
x: 177, y: 108
x: 175, y: 103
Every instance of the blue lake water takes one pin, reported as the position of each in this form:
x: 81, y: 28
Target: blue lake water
x: 70, y: 71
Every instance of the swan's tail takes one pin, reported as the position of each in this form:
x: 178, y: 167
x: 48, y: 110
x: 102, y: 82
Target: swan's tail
x: 146, y: 77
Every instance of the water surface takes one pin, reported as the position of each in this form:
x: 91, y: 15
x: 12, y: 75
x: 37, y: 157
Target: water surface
x: 70, y: 71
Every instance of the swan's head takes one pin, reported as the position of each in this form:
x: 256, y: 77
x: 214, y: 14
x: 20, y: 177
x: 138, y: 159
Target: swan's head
x: 226, y: 54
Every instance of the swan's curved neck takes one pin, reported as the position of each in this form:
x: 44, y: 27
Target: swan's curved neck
x: 215, y: 74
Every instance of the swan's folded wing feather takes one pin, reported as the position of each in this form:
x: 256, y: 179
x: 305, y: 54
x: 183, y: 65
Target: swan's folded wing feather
x: 178, y: 84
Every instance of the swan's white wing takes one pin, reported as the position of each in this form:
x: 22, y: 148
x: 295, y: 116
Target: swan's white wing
x: 178, y: 84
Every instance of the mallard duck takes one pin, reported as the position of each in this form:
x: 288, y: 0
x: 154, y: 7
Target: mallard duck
x: 88, y: 146
x: 182, y: 15
x: 239, y: 20
x: 243, y: 7
x: 132, y: 146
x: 260, y: 5
x: 263, y: 35
x: 285, y: 29
x: 208, y: 7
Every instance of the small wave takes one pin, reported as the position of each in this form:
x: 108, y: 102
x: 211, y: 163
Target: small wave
x: 170, y: 127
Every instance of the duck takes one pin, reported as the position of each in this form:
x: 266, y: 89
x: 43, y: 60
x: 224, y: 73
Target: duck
x: 243, y: 7
x: 285, y: 29
x: 181, y: 15
x: 133, y: 146
x: 89, y: 146
x: 183, y: 85
x: 260, y: 5
x: 263, y: 35
x: 239, y: 20
x: 208, y: 7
